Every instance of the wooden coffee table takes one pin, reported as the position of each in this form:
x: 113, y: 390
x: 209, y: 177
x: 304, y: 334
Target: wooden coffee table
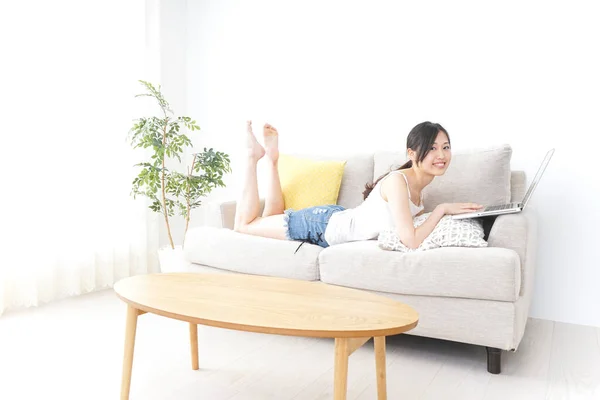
x: 267, y: 305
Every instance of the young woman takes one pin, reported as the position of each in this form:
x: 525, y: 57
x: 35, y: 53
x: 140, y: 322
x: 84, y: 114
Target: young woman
x: 392, y: 201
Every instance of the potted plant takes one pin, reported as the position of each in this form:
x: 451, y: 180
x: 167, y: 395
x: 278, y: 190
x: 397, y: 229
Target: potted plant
x: 172, y: 192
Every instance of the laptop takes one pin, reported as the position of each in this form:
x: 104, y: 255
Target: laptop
x: 511, y: 208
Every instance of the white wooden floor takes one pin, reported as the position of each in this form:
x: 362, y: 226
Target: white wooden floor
x: 72, y: 349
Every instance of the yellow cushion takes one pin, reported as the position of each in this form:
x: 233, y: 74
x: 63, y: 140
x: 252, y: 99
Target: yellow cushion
x: 308, y: 183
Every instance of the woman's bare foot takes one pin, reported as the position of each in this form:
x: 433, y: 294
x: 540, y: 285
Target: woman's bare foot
x: 255, y: 150
x: 271, y: 139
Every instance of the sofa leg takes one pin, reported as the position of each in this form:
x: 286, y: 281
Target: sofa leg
x: 493, y: 360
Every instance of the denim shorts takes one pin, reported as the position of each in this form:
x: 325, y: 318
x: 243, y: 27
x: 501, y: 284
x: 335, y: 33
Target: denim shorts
x: 309, y: 224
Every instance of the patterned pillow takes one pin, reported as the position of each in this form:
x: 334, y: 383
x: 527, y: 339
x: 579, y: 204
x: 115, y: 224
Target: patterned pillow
x: 447, y: 233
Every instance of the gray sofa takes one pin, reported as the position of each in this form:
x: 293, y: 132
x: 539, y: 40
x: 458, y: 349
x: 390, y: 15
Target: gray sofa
x: 472, y: 295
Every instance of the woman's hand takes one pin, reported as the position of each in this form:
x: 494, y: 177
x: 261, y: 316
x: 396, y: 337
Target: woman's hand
x: 459, y: 208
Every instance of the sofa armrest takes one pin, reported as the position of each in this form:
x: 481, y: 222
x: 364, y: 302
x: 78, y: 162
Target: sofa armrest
x: 518, y: 232
x: 222, y: 214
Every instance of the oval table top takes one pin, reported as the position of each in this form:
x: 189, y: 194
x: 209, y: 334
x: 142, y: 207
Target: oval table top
x: 267, y: 304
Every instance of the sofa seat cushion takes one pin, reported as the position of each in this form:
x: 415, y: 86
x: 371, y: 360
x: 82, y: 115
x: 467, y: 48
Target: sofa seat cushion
x: 472, y: 273
x: 225, y: 249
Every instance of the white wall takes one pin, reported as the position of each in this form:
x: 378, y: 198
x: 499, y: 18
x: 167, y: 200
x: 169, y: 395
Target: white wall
x: 346, y: 76
x: 169, y: 27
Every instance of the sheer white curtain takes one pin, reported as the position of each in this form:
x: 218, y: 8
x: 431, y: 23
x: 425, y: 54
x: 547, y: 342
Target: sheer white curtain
x: 69, y: 74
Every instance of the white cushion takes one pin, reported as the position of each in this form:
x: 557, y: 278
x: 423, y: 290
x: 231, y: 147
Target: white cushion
x: 480, y: 273
x: 447, y: 233
x: 232, y: 251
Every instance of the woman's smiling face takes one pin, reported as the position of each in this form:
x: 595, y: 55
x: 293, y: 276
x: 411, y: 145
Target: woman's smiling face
x: 438, y: 158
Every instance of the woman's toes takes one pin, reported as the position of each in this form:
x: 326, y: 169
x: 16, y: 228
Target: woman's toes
x: 255, y: 150
x: 271, y: 141
x: 269, y: 130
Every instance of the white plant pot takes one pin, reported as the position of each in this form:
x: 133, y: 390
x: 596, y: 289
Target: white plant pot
x: 172, y: 260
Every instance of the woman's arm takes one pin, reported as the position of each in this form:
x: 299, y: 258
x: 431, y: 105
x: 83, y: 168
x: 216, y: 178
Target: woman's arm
x: 396, y: 193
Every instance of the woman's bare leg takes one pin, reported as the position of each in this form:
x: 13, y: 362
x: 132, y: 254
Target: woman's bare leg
x: 272, y: 227
x: 248, y: 206
x: 274, y: 200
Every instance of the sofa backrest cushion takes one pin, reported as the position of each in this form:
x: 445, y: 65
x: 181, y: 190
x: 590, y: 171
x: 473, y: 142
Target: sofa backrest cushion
x: 517, y: 186
x: 478, y: 175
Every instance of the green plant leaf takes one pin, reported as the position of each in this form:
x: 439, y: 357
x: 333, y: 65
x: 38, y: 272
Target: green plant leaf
x: 165, y: 139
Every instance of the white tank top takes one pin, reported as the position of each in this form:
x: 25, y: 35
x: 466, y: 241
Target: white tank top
x: 366, y: 221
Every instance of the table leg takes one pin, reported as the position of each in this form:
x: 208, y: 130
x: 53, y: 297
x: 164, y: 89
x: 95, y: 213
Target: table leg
x: 194, y: 345
x: 380, y: 367
x: 131, y: 325
x: 340, y: 384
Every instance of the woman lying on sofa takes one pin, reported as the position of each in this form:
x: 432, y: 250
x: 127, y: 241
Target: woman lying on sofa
x: 393, y: 200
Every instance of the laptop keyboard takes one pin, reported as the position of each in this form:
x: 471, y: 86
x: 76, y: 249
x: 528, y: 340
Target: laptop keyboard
x: 498, y: 208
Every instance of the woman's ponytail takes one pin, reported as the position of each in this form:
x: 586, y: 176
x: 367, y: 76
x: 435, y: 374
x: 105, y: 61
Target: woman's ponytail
x: 369, y: 186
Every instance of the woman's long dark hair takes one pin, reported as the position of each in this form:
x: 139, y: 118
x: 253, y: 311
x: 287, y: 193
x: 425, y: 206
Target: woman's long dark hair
x: 420, y: 139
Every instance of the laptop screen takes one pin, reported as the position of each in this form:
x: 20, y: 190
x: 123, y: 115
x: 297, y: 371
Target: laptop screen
x: 537, y: 177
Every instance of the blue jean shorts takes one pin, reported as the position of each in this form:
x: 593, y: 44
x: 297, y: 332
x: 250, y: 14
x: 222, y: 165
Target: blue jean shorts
x: 309, y: 224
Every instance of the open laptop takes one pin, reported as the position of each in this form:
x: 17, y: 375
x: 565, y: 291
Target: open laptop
x: 511, y: 208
